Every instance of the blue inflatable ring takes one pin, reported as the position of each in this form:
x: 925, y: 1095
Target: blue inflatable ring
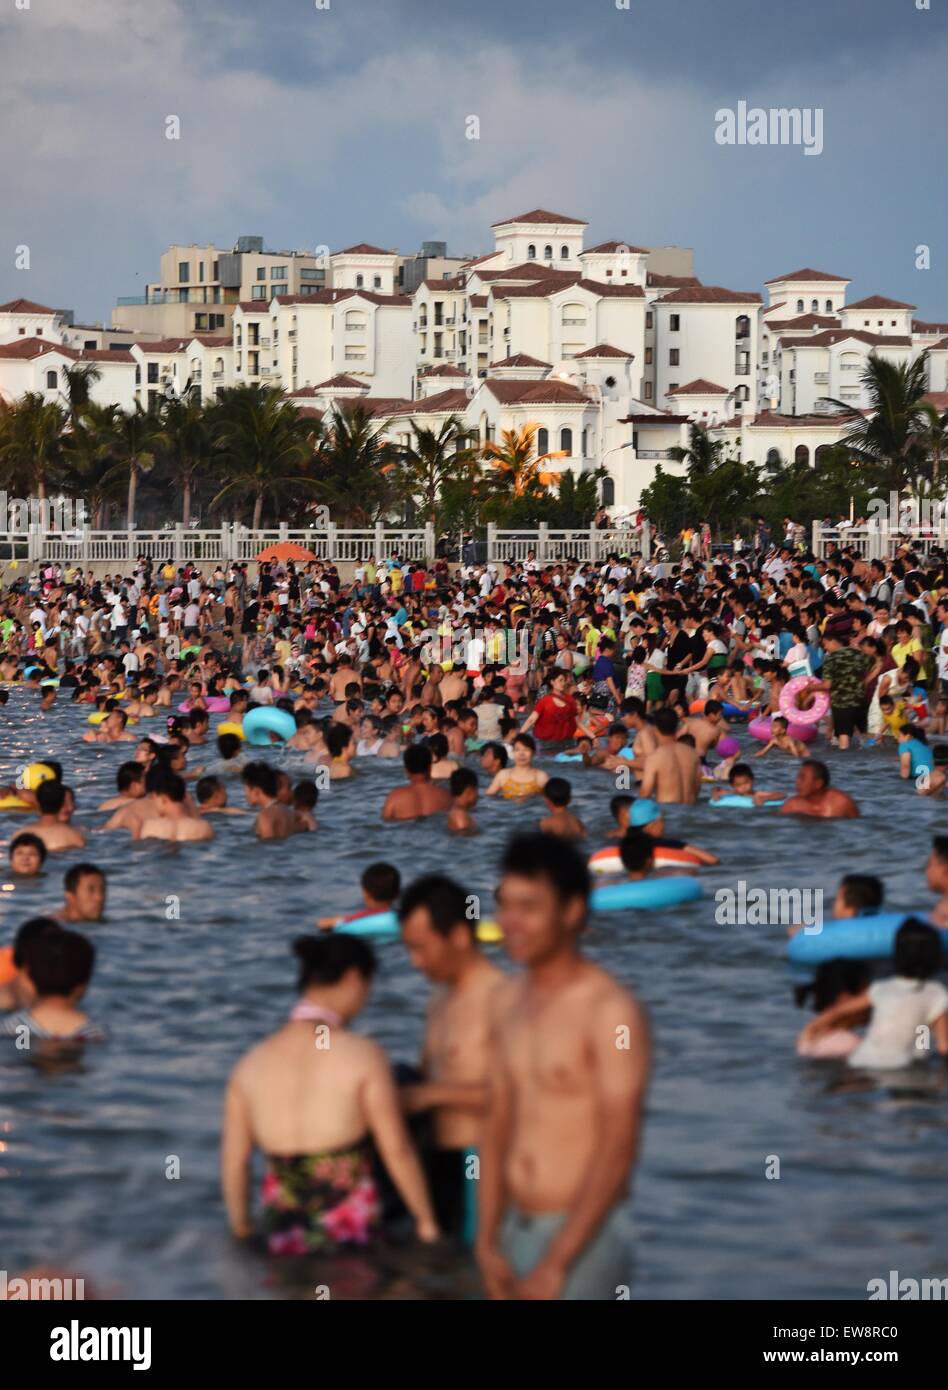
x: 378, y: 926
x: 644, y: 893
x: 259, y: 724
x: 853, y: 938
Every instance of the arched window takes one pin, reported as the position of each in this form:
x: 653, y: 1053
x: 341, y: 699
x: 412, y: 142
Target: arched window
x: 829, y: 306
x: 360, y: 281
x: 484, y: 427
x: 543, y: 441
x: 742, y: 326
x: 548, y: 253
x: 377, y: 282
x: 573, y: 316
x: 773, y: 458
x: 820, y: 456
x: 531, y: 252
x: 566, y: 441
x: 799, y: 306
x: 801, y: 454
x: 564, y: 253
x: 815, y: 306
x: 608, y: 492
x: 52, y: 381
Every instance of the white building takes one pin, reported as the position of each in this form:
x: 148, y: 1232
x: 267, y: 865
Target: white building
x: 32, y: 364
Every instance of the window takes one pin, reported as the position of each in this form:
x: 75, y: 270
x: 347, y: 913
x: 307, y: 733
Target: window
x: 52, y: 381
x: 360, y: 281
x: 799, y: 306
x: 280, y: 289
x: 773, y: 458
x: 674, y: 357
x: 742, y: 326
x: 815, y: 306
x: 892, y: 324
x: 261, y: 272
x: 278, y: 272
x: 200, y: 272
x: 152, y: 373
x: 258, y: 292
x: 22, y: 331
x: 543, y: 441
x: 216, y: 275
x: 200, y: 320
x: 610, y: 382
x: 674, y: 323
x: 312, y: 274
x: 829, y: 306
x: 574, y: 315
x: 138, y: 376
x: 566, y: 441
x: 673, y: 387
x: 531, y: 253
x: 91, y: 343
x: 648, y: 390
x: 608, y: 492
x: 377, y: 281
x: 564, y: 253
x: 548, y: 253
x: 649, y: 355
x: 184, y: 272
x: 801, y: 454
x: 585, y: 444
x: 152, y: 400
x: 649, y: 318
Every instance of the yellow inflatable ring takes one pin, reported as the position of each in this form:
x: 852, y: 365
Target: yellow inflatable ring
x: 228, y: 727
x: 35, y: 774
x: 13, y: 803
x: 489, y: 932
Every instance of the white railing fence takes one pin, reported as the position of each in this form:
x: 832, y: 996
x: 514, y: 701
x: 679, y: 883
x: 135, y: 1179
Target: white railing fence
x: 875, y: 542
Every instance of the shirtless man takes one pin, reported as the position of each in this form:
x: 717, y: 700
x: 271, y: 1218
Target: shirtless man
x: 632, y: 715
x: 568, y: 1068
x: 672, y: 773
x: 706, y: 728
x: 421, y: 797
x: 130, y: 783
x: 173, y: 819
x: 85, y: 894
x: 815, y: 796
x: 442, y: 944
x: 344, y: 675
x: 936, y: 876
x: 111, y: 730
x: 275, y: 819
x: 55, y: 833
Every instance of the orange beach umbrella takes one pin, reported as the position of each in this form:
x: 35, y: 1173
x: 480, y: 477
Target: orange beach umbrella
x: 283, y: 551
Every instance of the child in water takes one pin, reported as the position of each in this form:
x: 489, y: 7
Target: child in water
x: 557, y: 794
x: 464, y: 792
x: 381, y: 885
x: 836, y: 982
x: 781, y: 738
x: 858, y: 895
x: 907, y: 1014
x: 57, y: 965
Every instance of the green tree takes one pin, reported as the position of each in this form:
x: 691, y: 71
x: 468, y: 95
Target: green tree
x: 89, y: 460
x: 189, y: 449
x: 355, y: 466
x: 432, y: 462
x: 138, y: 438
x: 264, y: 449
x: 31, y: 442
x: 889, y: 438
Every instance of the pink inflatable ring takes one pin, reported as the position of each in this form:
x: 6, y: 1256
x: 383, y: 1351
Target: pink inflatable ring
x: 216, y: 704
x: 788, y: 701
x: 761, y: 729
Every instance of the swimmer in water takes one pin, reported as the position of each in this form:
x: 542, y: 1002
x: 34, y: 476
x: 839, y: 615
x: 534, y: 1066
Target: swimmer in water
x: 837, y: 982
x: 421, y: 797
x: 781, y: 739
x: 523, y: 779
x: 637, y: 852
x: 17, y: 990
x: 740, y: 782
x: 557, y: 794
x: 305, y: 797
x: 27, y: 855
x: 275, y: 820
x: 111, y: 730
x: 211, y: 796
x: 646, y: 815
x: 381, y: 884
x: 858, y: 895
x: 441, y: 941
x: 815, y: 796
x: 172, y: 818
x: 85, y: 891
x: 464, y: 793
x: 57, y: 835
x: 58, y: 965
x: 672, y: 773
x: 130, y: 785
x: 315, y: 1110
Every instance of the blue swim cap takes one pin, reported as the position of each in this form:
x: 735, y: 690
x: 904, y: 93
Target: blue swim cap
x: 643, y: 812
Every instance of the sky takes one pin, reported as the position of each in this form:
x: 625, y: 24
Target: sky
x: 329, y: 122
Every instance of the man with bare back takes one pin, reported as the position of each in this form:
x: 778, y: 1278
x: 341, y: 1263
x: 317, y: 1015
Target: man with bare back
x: 672, y: 773
x: 568, y: 1070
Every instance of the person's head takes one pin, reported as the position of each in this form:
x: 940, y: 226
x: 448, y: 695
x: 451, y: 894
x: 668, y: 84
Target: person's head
x: 211, y: 793
x: 647, y: 816
x: 857, y: 895
x: 336, y: 970
x: 936, y: 870
x: 637, y: 852
x: 713, y: 711
x: 741, y: 780
x: 50, y: 798
x: 130, y: 779
x: 812, y: 778
x: 557, y: 793
x: 27, y: 855
x: 437, y: 927
x: 170, y: 793
x: 228, y: 746
x: 834, y: 982
x: 26, y: 935
x: 59, y: 964
x: 666, y: 723
x: 918, y: 950
x: 417, y: 760
x: 260, y: 783
x: 381, y: 884
x: 524, y: 749
x: 463, y: 787
x: 84, y: 887
x: 494, y: 757
x: 542, y: 898
x: 619, y: 809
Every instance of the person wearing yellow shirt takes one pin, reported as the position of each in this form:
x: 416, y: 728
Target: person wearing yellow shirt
x: 591, y: 638
x: 906, y: 645
x: 395, y: 579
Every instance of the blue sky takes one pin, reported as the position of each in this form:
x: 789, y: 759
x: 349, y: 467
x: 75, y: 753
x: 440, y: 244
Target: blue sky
x: 315, y: 126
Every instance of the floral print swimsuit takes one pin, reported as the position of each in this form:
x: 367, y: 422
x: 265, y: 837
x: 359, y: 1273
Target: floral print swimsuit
x: 318, y: 1202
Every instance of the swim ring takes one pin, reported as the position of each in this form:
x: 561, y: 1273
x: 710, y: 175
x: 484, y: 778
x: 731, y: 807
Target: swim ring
x: 215, y: 704
x: 568, y: 758
x: 733, y: 799
x: 227, y: 727
x: 35, y: 774
x: 384, y: 927
x: 645, y: 893
x: 760, y: 728
x: 609, y: 861
x: 13, y: 803
x: 727, y: 709
x: 260, y: 723
x: 792, y: 711
x: 871, y: 937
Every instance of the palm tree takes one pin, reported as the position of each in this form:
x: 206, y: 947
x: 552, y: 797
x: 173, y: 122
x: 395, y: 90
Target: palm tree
x: 355, y: 465
x: 89, y: 460
x: 264, y: 448
x: 138, y: 438
x: 934, y: 438
x: 188, y: 427
x: 79, y: 383
x: 434, y: 460
x: 703, y: 454
x: 888, y: 437
x: 518, y: 464
x: 31, y: 438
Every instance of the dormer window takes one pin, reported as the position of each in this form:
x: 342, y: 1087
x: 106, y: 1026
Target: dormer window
x: 799, y: 306
x: 531, y: 253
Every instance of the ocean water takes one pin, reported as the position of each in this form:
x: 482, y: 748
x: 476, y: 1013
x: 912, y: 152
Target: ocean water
x: 84, y: 1152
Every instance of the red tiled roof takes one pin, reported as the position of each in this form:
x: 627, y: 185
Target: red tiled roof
x: 804, y: 321
x: 541, y: 217
x: 710, y: 294
x: 478, y: 301
x: 453, y: 282
x: 449, y: 402
x: 520, y: 359
x: 604, y: 350
x: 877, y: 301
x: 919, y: 326
x: 26, y: 349
x: 699, y: 387
x: 309, y: 410
x: 836, y: 335
x: 544, y: 288
x: 343, y: 382
x: 771, y: 420
x: 608, y: 248
x: 940, y: 346
x: 807, y: 274
x: 162, y: 346
x: 336, y: 295
x: 210, y: 340
x: 479, y: 260
x: 385, y: 405
x: 254, y: 306
x: 364, y: 249
x: 307, y: 391
x: 657, y: 281
x: 528, y: 270
x: 939, y: 399
x: 444, y: 370
x: 659, y: 417
x: 549, y: 392
x: 26, y: 306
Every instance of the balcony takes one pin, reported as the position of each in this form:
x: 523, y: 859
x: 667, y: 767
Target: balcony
x: 422, y: 323
x: 574, y: 323
x: 451, y: 322
x: 821, y: 377
x: 653, y: 453
x: 850, y: 366
x: 264, y: 371
x: 742, y: 369
x: 264, y: 342
x: 216, y: 376
x: 355, y: 327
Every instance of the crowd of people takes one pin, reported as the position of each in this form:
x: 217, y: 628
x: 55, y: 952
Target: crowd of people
x: 519, y: 1133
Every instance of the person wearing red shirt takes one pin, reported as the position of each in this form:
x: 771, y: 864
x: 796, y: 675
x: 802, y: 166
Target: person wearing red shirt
x: 554, y: 715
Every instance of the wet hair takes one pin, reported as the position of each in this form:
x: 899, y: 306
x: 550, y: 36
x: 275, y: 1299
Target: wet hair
x: 50, y: 797
x: 26, y: 837
x: 338, y: 738
x: 417, y: 759
x: 80, y: 871
x: 636, y: 851
x: 324, y: 960
x: 558, y: 791
x: 382, y: 882
x: 28, y: 933
x: 666, y: 721
x: 197, y: 718
x: 59, y: 962
x: 461, y: 780
x: 228, y: 745
x: 527, y: 741
x: 305, y: 794
x: 713, y: 707
x: 864, y: 892
x: 918, y: 950
x: 821, y: 770
x: 616, y: 805
x: 438, y: 745
x: 173, y: 787
x: 262, y: 776
x: 740, y: 770
x: 499, y: 752
x: 537, y: 855
x: 128, y: 774
x: 445, y: 900
x: 206, y: 788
